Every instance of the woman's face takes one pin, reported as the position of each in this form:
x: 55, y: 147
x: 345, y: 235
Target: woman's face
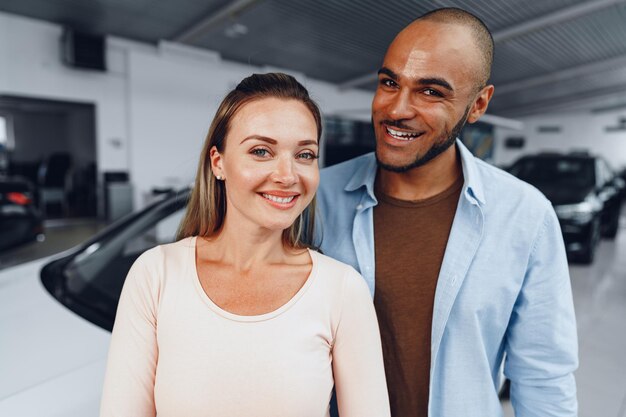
x: 269, y: 163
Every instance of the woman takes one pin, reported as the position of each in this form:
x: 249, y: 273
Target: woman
x: 239, y: 317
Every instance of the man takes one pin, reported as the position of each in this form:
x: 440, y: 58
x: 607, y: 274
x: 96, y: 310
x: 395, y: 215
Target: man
x: 466, y: 263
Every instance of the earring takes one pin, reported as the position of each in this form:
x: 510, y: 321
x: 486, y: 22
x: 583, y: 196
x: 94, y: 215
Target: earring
x: 219, y: 177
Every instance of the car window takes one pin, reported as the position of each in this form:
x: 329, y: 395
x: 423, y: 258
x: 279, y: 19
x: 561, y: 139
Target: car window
x: 560, y: 171
x: 90, y: 280
x: 163, y: 231
x: 606, y: 172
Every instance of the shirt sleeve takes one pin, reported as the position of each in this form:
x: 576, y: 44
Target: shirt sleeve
x: 541, y: 344
x: 358, y: 366
x: 133, y: 352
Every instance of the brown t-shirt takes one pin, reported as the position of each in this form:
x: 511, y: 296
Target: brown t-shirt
x: 410, y: 241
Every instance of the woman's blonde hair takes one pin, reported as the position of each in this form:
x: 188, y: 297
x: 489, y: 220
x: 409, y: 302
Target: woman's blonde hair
x: 206, y: 208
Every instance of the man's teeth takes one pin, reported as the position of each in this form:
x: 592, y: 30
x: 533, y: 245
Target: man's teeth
x: 281, y: 200
x: 402, y: 135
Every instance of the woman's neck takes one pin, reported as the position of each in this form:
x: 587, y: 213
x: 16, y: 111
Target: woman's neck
x: 245, y: 248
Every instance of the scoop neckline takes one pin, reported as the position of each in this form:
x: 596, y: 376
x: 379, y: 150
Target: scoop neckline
x: 253, y: 318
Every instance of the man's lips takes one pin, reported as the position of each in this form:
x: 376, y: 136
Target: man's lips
x: 401, y: 134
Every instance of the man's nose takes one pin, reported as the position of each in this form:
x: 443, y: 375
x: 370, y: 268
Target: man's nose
x: 401, y: 106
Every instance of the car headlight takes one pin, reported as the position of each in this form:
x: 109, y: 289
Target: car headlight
x: 581, y: 212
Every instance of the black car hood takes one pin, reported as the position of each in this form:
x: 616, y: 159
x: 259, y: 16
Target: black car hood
x: 560, y: 195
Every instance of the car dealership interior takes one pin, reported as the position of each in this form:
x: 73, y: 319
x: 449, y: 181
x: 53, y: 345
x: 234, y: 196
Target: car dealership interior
x: 104, y: 107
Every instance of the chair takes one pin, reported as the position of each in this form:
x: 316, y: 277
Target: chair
x: 55, y: 181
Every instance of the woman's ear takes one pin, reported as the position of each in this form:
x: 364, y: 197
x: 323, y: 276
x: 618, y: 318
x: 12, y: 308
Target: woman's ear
x: 216, y: 163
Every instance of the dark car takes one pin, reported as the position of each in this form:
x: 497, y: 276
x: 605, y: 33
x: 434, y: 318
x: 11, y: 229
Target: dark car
x: 20, y: 221
x: 585, y: 193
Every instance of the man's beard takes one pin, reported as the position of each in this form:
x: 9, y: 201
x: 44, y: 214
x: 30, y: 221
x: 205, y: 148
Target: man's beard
x: 433, y: 152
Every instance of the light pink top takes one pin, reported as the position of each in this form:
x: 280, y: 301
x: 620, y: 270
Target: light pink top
x: 176, y: 353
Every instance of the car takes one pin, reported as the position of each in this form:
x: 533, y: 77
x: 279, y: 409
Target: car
x: 20, y: 221
x: 585, y: 193
x: 56, y: 314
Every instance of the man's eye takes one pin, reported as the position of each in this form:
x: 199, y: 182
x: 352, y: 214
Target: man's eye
x: 387, y: 82
x: 432, y: 92
x: 260, y: 152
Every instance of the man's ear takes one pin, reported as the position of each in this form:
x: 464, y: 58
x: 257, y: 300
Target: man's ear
x: 216, y: 162
x: 481, y: 102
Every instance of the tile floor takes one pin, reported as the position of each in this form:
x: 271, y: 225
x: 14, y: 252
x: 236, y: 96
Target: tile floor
x: 599, y: 297
x: 59, y: 236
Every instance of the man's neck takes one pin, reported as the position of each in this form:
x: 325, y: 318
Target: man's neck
x: 425, y: 181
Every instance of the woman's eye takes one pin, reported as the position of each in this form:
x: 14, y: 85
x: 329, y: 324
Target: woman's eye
x: 260, y: 152
x: 307, y: 155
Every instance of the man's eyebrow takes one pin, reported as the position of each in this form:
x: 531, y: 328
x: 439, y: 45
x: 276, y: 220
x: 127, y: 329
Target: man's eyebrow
x: 271, y: 141
x: 420, y: 81
x: 436, y: 81
x: 388, y: 72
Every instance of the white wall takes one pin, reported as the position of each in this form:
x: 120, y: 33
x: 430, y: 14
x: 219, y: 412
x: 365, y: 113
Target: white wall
x: 30, y: 66
x: 154, y: 104
x: 580, y: 130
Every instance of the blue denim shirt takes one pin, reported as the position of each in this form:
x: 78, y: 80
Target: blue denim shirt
x: 503, y: 289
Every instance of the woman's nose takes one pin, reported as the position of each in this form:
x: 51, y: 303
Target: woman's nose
x: 284, y: 172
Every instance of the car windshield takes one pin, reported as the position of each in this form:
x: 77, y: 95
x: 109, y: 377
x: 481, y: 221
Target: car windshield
x: 559, y: 171
x: 89, y: 281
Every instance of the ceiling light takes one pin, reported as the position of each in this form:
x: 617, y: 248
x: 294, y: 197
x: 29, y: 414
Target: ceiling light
x: 236, y: 30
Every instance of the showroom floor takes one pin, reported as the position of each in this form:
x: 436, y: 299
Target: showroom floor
x: 59, y: 236
x: 599, y: 297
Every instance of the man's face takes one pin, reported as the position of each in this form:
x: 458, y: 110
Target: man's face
x: 427, y: 90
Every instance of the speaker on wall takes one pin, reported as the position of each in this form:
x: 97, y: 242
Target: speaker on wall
x: 83, y: 50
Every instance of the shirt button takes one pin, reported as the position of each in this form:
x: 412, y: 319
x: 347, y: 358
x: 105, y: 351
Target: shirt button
x: 359, y: 207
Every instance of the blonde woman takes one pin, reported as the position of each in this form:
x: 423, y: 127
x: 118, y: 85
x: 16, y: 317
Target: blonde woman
x: 240, y: 317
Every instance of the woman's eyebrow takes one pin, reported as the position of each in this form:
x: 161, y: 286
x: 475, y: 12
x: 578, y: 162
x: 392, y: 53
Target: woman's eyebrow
x: 261, y: 138
x: 274, y: 141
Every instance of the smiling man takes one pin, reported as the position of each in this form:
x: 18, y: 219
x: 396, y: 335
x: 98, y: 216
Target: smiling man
x: 466, y: 264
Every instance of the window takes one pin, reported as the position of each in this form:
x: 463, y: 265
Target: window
x: 6, y: 133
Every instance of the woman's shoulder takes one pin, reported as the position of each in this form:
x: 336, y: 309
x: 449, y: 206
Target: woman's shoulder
x: 165, y: 250
x: 340, y: 276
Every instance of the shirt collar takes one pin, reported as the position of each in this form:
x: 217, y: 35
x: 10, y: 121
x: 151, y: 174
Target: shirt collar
x: 473, y: 187
x: 365, y: 174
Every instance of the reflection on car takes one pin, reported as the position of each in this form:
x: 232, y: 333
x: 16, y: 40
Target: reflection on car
x: 20, y: 221
x: 56, y: 315
x: 585, y: 192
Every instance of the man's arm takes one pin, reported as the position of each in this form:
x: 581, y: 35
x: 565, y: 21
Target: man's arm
x: 541, y: 342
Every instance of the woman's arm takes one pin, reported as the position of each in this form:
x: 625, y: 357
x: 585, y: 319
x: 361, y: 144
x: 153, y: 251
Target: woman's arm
x: 357, y: 355
x: 129, y: 381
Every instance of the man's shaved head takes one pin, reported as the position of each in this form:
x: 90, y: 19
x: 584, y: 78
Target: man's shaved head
x: 478, y: 29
